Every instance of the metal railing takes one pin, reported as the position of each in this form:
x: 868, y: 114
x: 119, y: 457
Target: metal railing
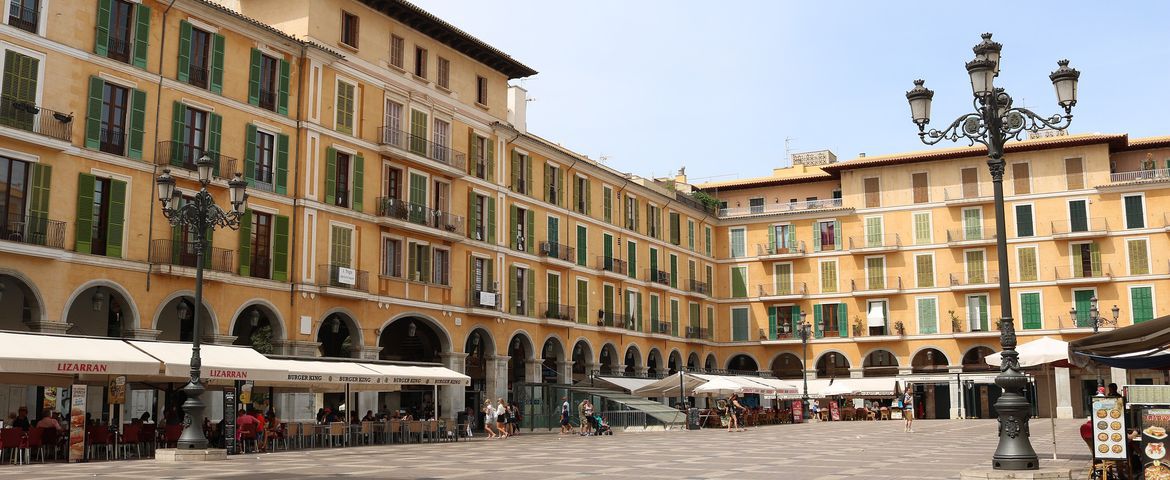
x: 611, y: 264
x: 267, y: 99
x: 1095, y: 225
x: 702, y: 288
x: 971, y: 234
x: 765, y: 249
x: 417, y: 145
x: 966, y: 192
x: 33, y: 230
x: 659, y: 326
x: 119, y: 48
x: 698, y: 332
x: 29, y: 117
x: 420, y: 215
x: 970, y: 278
x: 332, y: 276
x: 614, y: 319
x: 781, y: 207
x: 260, y: 267
x: 625, y: 418
x: 658, y: 276
x: 182, y: 155
x: 1156, y: 174
x: 690, y: 201
x: 888, y: 240
x: 797, y: 288
x: 488, y: 299
x: 558, y: 251
x: 174, y: 252
x: 868, y: 283
x: 556, y: 311
x: 1067, y: 272
x: 23, y: 17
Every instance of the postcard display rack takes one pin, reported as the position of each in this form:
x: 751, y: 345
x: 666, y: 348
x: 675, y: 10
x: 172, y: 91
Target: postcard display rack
x: 1150, y: 407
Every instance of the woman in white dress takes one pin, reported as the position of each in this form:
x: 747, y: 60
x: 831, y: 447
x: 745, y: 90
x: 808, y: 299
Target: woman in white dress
x: 502, y: 418
x: 489, y: 418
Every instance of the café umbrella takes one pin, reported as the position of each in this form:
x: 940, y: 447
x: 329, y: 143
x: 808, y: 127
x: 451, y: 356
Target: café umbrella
x: 1045, y: 351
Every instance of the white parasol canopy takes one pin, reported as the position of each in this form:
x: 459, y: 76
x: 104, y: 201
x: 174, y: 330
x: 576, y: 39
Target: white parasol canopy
x: 1037, y: 352
x: 719, y: 386
x: 838, y: 388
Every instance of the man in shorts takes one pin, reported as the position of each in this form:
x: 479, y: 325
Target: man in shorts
x: 566, y: 427
x: 581, y: 413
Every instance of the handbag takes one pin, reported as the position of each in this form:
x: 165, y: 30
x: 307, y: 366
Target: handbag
x: 898, y: 403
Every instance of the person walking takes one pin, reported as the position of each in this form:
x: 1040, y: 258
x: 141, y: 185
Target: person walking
x: 581, y: 416
x: 489, y: 419
x: 514, y: 418
x: 589, y: 419
x: 566, y: 427
x: 737, y: 411
x: 908, y: 409
x: 502, y: 418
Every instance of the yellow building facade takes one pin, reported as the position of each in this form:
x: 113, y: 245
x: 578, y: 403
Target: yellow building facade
x: 399, y: 209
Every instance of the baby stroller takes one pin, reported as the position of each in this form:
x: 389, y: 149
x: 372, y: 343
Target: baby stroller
x: 600, y: 426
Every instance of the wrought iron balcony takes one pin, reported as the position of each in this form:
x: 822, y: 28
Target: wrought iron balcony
x: 1080, y: 228
x: 408, y: 142
x: 556, y: 311
x: 30, y: 117
x: 183, y: 155
x: 24, y: 17
x: 487, y: 299
x: 966, y: 195
x: 1082, y: 274
x: 558, y: 251
x: 1150, y: 175
x: 774, y: 208
x: 971, y: 236
x: 658, y: 276
x: 119, y: 48
x: 699, y: 333
x: 973, y: 280
x: 267, y: 99
x: 871, y: 284
x: 783, y: 289
x: 167, y: 251
x: 614, y: 319
x: 610, y: 264
x: 420, y: 215
x: 875, y: 243
x: 33, y: 230
x: 662, y: 327
x: 342, y: 277
x: 701, y: 288
x: 763, y: 249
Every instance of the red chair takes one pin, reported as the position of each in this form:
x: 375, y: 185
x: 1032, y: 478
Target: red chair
x: 171, y: 435
x: 148, y: 437
x: 247, y: 434
x: 35, y: 441
x: 14, y: 440
x: 50, y: 437
x: 131, y: 437
x: 99, y: 438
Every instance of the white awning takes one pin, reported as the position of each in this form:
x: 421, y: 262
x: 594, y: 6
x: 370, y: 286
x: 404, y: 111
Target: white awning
x: 318, y: 371
x: 876, y: 317
x: 418, y: 375
x: 668, y: 386
x: 71, y: 355
x: 219, y: 362
x: 780, y: 387
x: 851, y: 387
x: 631, y: 384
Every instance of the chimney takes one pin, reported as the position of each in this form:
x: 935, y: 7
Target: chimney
x: 861, y: 155
x: 681, y: 177
x: 517, y: 101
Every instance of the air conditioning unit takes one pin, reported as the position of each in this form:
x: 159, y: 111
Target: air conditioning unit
x: 663, y: 328
x: 545, y: 248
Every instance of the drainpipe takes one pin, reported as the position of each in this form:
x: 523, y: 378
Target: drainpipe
x: 296, y: 183
x: 154, y: 174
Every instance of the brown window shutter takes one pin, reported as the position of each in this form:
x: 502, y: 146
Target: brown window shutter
x: 920, y: 188
x: 872, y: 195
x: 1074, y: 170
x: 1020, y: 178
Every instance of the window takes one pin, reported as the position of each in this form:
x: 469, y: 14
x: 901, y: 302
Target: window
x: 739, y: 282
x: 263, y: 156
x: 346, y: 99
x: 391, y: 257
x: 444, y: 80
x: 873, y: 232
x: 675, y: 228
x: 349, y: 29
x: 1078, y: 215
x: 927, y: 315
x: 1074, y: 176
x: 392, y: 133
x: 922, y: 230
x: 707, y: 241
x: 582, y: 244
x: 392, y: 182
x: 1024, y: 226
x: 829, y: 276
x: 781, y: 238
x: 875, y: 273
x: 553, y: 296
x: 1020, y: 178
x: 924, y: 270
x: 1026, y: 257
x: 827, y: 235
x: 631, y: 259
x: 607, y: 203
x: 442, y: 263
x: 397, y: 50
x: 418, y: 262
x: 1086, y: 260
x: 1082, y: 299
x: 653, y: 221
x: 268, y: 82
x: 481, y: 277
x: 674, y: 271
x: 975, y: 267
x: 23, y: 14
x: 1141, y: 303
x: 440, y: 197
x: 340, y: 246
x: 877, y: 313
x: 782, y: 321
x: 442, y: 140
x: 264, y: 245
x: 523, y: 223
x: 194, y: 132
x: 977, y: 312
x: 1030, y: 311
x: 582, y: 198
x: 631, y: 217
x: 115, y: 102
x: 921, y: 187
x: 873, y: 194
x: 479, y: 214
x: 832, y: 319
x: 582, y: 300
x: 739, y: 324
x: 481, y: 92
x: 521, y: 172
x: 420, y: 62
x: 782, y: 278
x: 1134, y: 211
x: 738, y: 243
x: 674, y: 314
x: 756, y: 205
x: 200, y: 57
x: 970, y: 179
x: 973, y: 223
x: 19, y: 195
x: 691, y: 234
x: 710, y: 277
x: 341, y: 192
x: 123, y: 27
x: 481, y: 147
x: 1139, y: 257
x: 554, y: 179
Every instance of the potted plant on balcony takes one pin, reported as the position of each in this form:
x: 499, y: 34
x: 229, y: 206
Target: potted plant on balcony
x: 900, y: 328
x: 956, y: 322
x: 857, y: 326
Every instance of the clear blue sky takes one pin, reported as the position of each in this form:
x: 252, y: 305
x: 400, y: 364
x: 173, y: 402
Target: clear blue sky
x: 718, y: 86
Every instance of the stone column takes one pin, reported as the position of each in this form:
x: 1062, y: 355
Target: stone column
x: 140, y: 334
x: 565, y: 372
x: 365, y: 352
x: 451, y: 397
x: 1063, y: 383
x: 532, y: 370
x: 59, y: 328
x: 303, y: 348
x: 217, y: 339
x: 812, y: 373
x: 956, y: 388
x: 497, y: 377
x: 856, y: 372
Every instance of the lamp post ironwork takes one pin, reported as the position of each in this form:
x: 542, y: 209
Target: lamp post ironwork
x: 994, y: 122
x: 804, y: 333
x: 198, y: 216
x: 1097, y: 321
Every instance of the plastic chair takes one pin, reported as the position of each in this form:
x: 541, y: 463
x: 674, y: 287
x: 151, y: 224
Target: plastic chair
x: 431, y: 430
x: 13, y: 439
x: 171, y: 435
x: 50, y: 437
x: 131, y: 437
x: 35, y: 441
x: 366, y: 433
x: 292, y: 434
x: 275, y: 436
x: 148, y: 437
x: 337, y: 430
x: 99, y: 439
x: 247, y: 434
x: 414, y: 429
x: 394, y: 430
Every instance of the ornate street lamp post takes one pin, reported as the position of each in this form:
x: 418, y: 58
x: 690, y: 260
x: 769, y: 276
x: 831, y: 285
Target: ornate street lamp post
x: 198, y: 217
x: 1096, y: 321
x: 804, y: 332
x: 993, y: 123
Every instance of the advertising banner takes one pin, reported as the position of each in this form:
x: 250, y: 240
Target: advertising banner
x: 797, y: 411
x: 77, y: 423
x: 116, y: 394
x: 229, y: 419
x: 1108, y: 428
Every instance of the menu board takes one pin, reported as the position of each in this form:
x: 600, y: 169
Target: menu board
x: 797, y: 411
x: 77, y: 423
x: 1154, y: 424
x: 834, y: 411
x: 1108, y: 428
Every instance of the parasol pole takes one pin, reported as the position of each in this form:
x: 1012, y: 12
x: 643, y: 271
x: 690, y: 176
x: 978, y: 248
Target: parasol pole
x: 1052, y: 403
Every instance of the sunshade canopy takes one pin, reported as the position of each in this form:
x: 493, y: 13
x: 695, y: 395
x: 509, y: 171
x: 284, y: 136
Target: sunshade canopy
x: 1137, y: 346
x: 219, y: 362
x: 71, y: 355
x: 1041, y: 351
x: 419, y: 375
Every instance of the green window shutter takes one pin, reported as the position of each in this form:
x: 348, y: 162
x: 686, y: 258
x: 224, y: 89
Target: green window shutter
x: 254, y: 77
x: 1024, y: 221
x: 632, y: 259
x: 1078, y: 213
x: 184, y: 66
x: 795, y: 327
x: 1138, y: 257
x: 653, y: 260
x: 772, y: 323
x: 576, y: 195
x: 1095, y: 258
x: 245, y: 248
x: 472, y: 150
x: 473, y: 213
x: 345, y: 109
x: 816, y: 236
x: 531, y: 293
x: 280, y: 248
x: 141, y: 33
x: 925, y: 267
x: 842, y: 320
x: 528, y: 176
x: 214, y: 138
x: 250, y: 154
x: 548, y: 196
x: 531, y: 241
x: 973, y: 224
x: 818, y: 330
x: 582, y: 302
x: 491, y: 160
x: 1134, y: 214
x: 927, y: 323
x: 675, y: 229
x: 1030, y: 308
x: 117, y: 218
x: 771, y: 238
x: 515, y: 172
x: 511, y: 307
x: 39, y: 199
x: 739, y: 282
x: 514, y: 230
x: 674, y: 271
x: 607, y: 204
x: 217, y: 63
x: 282, y: 88
x: 330, y: 176
x: 178, y: 113
x: 1142, y: 304
x: 588, y: 197
x: 425, y: 264
x: 582, y: 242
x: 358, y: 181
x: 837, y: 235
x: 418, y: 132
x: 101, y: 44
x: 554, y: 292
x: 491, y: 220
x: 560, y: 200
x: 137, y: 123
x: 921, y: 228
x: 93, y: 114
x: 1027, y: 264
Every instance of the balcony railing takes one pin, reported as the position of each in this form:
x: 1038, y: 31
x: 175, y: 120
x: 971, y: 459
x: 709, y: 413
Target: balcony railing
x: 701, y: 288
x: 662, y: 327
x: 556, y: 311
x: 267, y: 99
x: 982, y: 234
x: 697, y: 332
x: 119, y: 48
x: 486, y: 299
x: 342, y: 277
x: 771, y: 208
x: 875, y: 242
x: 973, y: 278
x: 765, y: 249
x: 23, y: 17
x: 690, y: 202
x: 558, y: 251
x: 1082, y: 272
x: 610, y: 264
x: 1152, y: 175
x: 417, y: 145
x: 874, y: 283
x: 771, y: 290
x: 613, y: 319
x: 34, y: 230
x: 966, y: 194
x: 198, y: 75
x: 183, y: 155
x: 420, y: 215
x: 1083, y: 227
x: 658, y: 276
x: 173, y: 252
x: 29, y: 117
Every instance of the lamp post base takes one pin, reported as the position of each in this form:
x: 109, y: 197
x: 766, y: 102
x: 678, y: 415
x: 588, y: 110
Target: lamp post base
x: 182, y: 455
x: 988, y: 473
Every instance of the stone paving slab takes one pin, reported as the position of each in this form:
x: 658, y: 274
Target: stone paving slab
x: 829, y: 451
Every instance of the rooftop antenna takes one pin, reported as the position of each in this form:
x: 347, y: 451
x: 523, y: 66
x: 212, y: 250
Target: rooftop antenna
x: 603, y: 158
x: 788, y: 148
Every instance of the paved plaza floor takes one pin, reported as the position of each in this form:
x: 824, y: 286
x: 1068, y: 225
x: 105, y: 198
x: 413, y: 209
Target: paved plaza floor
x: 834, y: 450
